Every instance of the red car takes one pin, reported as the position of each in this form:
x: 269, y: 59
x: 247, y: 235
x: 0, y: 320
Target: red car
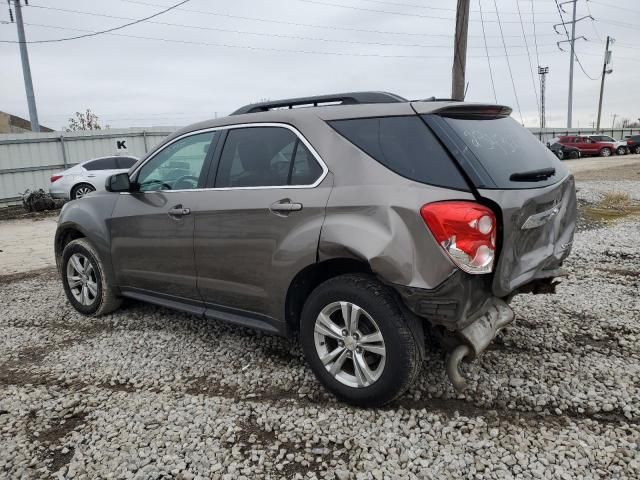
x: 589, y: 146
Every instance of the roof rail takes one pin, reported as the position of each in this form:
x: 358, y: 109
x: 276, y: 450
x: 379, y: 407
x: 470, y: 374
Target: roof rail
x: 352, y: 98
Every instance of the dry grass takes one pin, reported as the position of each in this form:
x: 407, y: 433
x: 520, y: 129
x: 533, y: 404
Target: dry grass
x: 613, y: 205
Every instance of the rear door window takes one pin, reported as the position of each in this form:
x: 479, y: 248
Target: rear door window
x: 404, y: 145
x: 492, y: 149
x: 265, y: 157
x: 125, y: 162
x: 101, y: 164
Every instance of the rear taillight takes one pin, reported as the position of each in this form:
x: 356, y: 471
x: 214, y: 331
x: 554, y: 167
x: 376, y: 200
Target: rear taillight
x: 55, y: 178
x: 466, y: 231
x: 629, y: 142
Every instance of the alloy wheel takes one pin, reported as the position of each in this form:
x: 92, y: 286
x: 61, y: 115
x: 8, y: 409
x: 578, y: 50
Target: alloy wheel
x: 350, y: 344
x: 82, y: 191
x: 81, y: 278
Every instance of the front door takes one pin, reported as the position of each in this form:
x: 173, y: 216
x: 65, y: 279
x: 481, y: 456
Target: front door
x: 152, y: 229
x: 263, y: 222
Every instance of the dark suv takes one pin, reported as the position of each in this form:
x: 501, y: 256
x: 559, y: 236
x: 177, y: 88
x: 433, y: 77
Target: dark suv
x: 359, y: 224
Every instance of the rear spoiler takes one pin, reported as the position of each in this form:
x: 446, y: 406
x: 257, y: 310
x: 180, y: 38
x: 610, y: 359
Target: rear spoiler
x: 473, y: 110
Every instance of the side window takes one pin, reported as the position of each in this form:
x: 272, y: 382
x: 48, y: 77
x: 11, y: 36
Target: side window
x: 101, y: 164
x: 305, y: 170
x: 178, y: 166
x: 265, y: 157
x: 125, y: 162
x: 404, y: 145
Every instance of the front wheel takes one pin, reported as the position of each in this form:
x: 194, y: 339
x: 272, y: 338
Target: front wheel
x: 560, y: 154
x: 89, y: 290
x: 358, y: 341
x: 605, y: 152
x: 637, y: 150
x: 574, y: 154
x: 621, y: 151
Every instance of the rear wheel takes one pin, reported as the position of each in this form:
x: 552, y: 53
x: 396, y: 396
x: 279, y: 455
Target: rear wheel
x: 85, y: 280
x: 574, y: 154
x: 605, y: 152
x: 358, y: 341
x: 81, y: 190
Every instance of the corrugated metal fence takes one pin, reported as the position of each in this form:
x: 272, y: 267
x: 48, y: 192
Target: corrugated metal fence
x: 27, y: 160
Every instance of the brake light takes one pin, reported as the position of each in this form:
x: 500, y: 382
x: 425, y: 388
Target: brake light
x: 55, y: 177
x: 629, y: 141
x: 466, y: 231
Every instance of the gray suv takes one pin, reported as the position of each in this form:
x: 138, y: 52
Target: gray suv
x: 361, y: 224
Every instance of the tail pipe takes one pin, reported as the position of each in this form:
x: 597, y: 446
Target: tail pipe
x: 453, y: 364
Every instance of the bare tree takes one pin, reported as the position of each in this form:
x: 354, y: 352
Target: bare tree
x: 84, y: 121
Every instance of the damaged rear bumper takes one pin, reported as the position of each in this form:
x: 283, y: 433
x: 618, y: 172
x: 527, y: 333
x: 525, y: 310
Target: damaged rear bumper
x: 465, y: 312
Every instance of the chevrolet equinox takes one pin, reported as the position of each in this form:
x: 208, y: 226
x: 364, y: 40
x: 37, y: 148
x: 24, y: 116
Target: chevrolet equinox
x: 359, y: 223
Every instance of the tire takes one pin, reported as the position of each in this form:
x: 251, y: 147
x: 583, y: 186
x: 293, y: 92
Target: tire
x: 80, y: 190
x: 636, y: 149
x: 101, y: 299
x: 605, y: 152
x: 621, y: 151
x: 574, y: 154
x: 394, y: 372
x: 560, y: 155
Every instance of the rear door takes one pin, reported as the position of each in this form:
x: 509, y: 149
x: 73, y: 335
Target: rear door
x: 261, y: 222
x: 532, y: 191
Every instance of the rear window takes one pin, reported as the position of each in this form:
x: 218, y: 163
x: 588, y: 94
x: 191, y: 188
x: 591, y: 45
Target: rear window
x: 406, y: 146
x: 492, y: 149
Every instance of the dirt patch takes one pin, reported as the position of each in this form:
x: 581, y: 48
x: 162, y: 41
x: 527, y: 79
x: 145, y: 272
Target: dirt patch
x: 620, y: 172
x: 46, y: 273
x: 16, y: 212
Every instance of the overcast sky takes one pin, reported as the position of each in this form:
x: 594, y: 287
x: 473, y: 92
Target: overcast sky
x: 229, y: 53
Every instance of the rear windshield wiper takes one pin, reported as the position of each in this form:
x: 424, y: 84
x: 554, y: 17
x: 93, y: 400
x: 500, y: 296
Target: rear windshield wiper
x: 533, y: 175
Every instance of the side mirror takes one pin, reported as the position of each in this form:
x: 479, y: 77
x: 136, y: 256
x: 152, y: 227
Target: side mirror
x: 118, y: 183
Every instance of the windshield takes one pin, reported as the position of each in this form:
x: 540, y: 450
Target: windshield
x: 492, y: 150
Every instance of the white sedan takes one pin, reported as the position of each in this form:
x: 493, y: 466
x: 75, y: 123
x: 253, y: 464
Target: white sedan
x: 87, y: 176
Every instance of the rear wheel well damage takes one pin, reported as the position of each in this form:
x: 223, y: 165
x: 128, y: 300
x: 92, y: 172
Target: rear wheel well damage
x: 309, y: 278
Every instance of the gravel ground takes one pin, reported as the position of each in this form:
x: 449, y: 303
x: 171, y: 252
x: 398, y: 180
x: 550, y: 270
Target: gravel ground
x: 150, y: 393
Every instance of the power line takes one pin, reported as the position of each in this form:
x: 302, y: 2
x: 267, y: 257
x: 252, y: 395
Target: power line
x: 248, y: 47
x: 524, y: 36
x: 387, y: 12
x: 513, y: 84
x: 535, y: 35
x: 593, y: 21
x: 493, y: 86
x: 309, y: 25
x: 111, y: 29
x: 245, y: 32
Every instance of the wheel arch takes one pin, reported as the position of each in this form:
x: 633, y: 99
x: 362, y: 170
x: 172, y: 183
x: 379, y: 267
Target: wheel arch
x: 310, y: 277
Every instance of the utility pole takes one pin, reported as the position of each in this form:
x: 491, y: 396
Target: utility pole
x: 26, y: 69
x: 542, y: 71
x: 572, y: 41
x: 605, y: 72
x: 571, y: 62
x: 460, y: 50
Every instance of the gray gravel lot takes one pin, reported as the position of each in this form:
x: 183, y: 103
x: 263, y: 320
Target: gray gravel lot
x: 150, y: 393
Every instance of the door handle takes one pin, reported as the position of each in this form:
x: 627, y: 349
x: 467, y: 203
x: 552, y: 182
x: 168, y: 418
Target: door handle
x: 178, y: 211
x: 285, y: 207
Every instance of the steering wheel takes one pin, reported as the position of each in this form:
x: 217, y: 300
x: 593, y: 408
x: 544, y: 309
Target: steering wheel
x: 191, y: 181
